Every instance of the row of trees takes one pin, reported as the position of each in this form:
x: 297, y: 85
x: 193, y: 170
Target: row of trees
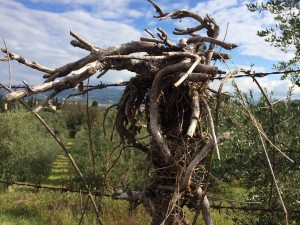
x: 243, y: 163
x: 26, y: 151
x: 30, y: 155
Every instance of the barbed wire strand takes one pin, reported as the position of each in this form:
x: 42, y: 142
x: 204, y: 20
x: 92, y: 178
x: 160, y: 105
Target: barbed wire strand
x: 97, y: 193
x: 253, y: 74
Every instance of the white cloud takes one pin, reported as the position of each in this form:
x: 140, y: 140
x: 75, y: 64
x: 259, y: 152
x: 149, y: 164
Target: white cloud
x: 108, y: 9
x: 44, y: 36
x: 277, y: 89
x: 274, y: 87
x: 243, y: 26
x: 116, y: 76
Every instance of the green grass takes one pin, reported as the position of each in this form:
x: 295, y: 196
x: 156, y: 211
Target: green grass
x: 19, y: 206
x: 25, y: 206
x: 28, y: 207
x: 61, y: 172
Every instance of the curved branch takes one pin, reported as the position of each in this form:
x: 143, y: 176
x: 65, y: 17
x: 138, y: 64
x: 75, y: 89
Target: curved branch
x: 201, y: 155
x: 153, y: 107
x: 182, y: 13
x: 158, y: 9
x: 198, y: 38
x: 205, y: 206
x: 218, y: 96
x: 188, y: 30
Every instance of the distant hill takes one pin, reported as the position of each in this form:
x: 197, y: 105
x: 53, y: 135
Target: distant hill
x: 109, y: 95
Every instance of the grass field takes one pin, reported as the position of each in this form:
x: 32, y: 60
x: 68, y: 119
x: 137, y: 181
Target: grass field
x: 26, y: 206
x: 22, y: 206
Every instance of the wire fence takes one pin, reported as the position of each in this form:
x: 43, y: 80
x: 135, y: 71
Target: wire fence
x: 9, y: 183
x: 234, y: 204
x: 246, y: 74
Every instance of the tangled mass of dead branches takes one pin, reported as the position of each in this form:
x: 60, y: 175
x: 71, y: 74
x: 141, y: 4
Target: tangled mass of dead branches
x: 169, y: 95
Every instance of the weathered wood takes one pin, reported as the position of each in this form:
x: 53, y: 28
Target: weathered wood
x: 197, y: 159
x: 169, y: 91
x: 69, y: 81
x: 195, y: 113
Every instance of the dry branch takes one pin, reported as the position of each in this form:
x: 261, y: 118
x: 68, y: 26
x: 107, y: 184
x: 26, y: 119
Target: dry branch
x: 169, y: 94
x: 195, y: 114
x: 205, y: 206
x: 188, y: 72
x: 85, y: 43
x: 200, y: 156
x: 69, y: 81
x: 198, y: 38
x: 22, y: 60
x: 212, y: 127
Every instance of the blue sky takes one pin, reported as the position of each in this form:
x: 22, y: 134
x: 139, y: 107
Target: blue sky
x: 39, y: 30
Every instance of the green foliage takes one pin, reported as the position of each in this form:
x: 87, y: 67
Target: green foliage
x: 286, y: 33
x: 2, y: 101
x: 74, y: 114
x: 57, y: 103
x: 26, y: 149
x: 127, y: 164
x: 56, y: 120
x: 243, y: 159
x: 27, y: 207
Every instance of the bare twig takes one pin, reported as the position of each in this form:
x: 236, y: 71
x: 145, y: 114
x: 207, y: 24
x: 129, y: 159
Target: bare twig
x: 204, y: 151
x: 275, y: 180
x: 90, y: 131
x: 273, y: 136
x: 89, y: 46
x: 212, y: 127
x: 83, y: 212
x: 105, y: 115
x: 22, y: 60
x: 149, y: 33
x: 262, y: 134
x: 188, y: 72
x: 218, y: 96
x: 158, y: 9
x: 9, y: 64
x: 46, y: 101
x: 198, y: 38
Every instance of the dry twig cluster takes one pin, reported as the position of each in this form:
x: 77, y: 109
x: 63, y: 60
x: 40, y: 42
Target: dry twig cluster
x: 169, y: 95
